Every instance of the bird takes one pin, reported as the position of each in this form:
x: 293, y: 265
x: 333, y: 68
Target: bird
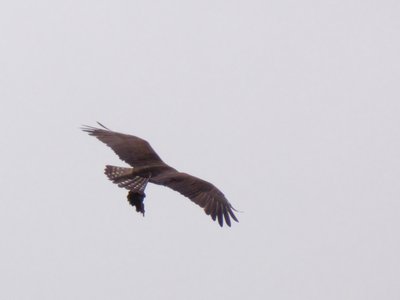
x: 148, y: 167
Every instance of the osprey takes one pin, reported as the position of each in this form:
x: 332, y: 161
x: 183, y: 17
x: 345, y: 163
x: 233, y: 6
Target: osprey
x: 147, y: 167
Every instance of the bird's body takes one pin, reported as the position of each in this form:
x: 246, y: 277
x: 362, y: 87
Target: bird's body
x: 147, y: 166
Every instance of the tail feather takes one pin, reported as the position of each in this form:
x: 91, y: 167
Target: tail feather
x: 124, y: 178
x: 117, y: 174
x: 137, y: 184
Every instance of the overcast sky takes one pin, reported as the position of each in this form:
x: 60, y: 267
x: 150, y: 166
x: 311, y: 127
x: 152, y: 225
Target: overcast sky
x: 291, y: 108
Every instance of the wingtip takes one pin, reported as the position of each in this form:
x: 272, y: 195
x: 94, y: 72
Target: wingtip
x: 239, y: 211
x: 103, y: 125
x: 87, y: 128
x: 91, y: 129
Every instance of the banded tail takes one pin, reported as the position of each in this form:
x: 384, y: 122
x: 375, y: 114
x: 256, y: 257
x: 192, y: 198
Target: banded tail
x: 125, y: 179
x: 136, y: 185
x: 117, y: 174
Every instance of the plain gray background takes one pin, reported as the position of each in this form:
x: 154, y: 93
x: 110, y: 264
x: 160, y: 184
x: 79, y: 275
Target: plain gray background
x: 290, y: 107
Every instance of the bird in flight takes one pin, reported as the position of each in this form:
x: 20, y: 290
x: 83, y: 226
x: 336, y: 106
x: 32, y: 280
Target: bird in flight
x: 147, y: 167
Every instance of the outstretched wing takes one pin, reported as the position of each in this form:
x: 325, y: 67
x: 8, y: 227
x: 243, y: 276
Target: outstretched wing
x: 131, y: 149
x: 201, y: 192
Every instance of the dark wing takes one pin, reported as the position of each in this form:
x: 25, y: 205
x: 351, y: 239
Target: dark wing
x: 131, y: 149
x: 200, y: 192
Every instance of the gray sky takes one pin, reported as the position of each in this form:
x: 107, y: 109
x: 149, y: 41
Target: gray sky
x: 291, y: 108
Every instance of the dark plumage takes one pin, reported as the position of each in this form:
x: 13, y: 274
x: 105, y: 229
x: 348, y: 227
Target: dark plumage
x: 136, y: 200
x: 147, y: 166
